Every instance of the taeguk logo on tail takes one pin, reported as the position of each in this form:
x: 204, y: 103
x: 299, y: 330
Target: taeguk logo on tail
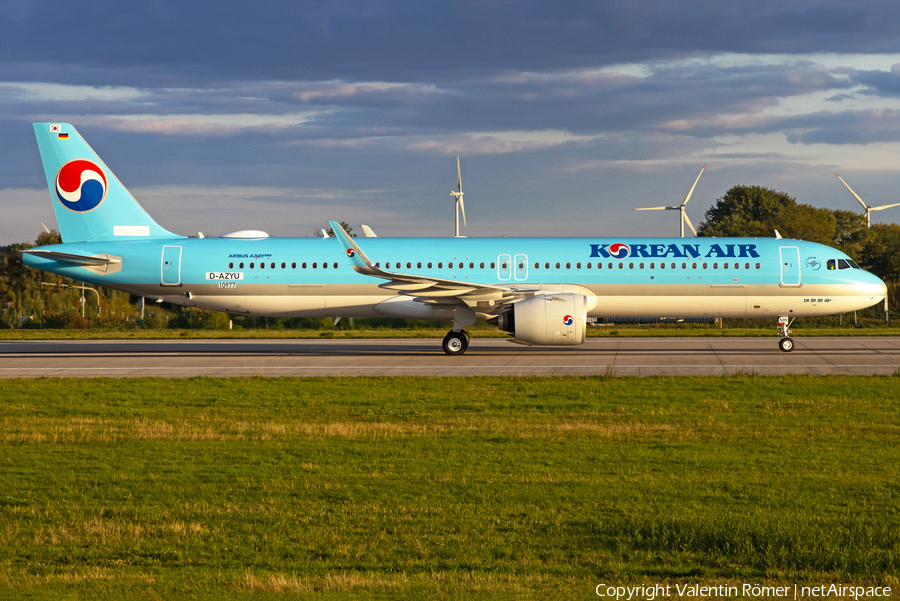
x: 81, y: 185
x: 351, y: 253
x: 567, y: 320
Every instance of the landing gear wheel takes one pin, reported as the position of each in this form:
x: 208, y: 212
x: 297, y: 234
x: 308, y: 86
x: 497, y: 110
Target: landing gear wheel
x: 455, y: 343
x: 466, y: 334
x: 786, y: 344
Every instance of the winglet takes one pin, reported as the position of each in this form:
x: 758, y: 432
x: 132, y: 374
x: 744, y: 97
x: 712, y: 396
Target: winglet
x: 357, y: 257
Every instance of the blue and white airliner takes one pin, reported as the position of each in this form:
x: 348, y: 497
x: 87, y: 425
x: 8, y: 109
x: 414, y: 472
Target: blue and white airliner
x: 543, y: 291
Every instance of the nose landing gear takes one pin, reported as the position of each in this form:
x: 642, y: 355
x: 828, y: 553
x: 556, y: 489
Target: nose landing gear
x: 787, y: 343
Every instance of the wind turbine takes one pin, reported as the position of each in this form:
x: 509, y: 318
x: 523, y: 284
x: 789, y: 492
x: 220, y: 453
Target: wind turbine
x: 460, y: 205
x: 865, y: 206
x: 684, y: 217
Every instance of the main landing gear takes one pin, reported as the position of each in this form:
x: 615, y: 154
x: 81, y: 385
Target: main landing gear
x: 787, y: 343
x: 456, y: 343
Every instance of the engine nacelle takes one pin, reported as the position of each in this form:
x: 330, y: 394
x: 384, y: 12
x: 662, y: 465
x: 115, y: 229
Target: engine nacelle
x: 546, y: 319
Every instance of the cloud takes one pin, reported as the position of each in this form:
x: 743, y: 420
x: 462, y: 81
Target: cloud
x: 849, y: 127
x: 393, y: 40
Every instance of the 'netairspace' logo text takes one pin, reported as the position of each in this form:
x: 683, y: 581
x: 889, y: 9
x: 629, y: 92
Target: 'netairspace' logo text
x: 649, y: 592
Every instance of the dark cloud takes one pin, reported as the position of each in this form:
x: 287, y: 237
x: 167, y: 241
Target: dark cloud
x: 879, y: 83
x: 411, y: 41
x: 849, y: 127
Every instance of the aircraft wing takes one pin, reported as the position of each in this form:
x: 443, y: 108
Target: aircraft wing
x: 425, y: 288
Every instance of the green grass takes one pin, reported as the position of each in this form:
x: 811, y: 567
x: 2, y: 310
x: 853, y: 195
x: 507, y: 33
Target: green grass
x: 443, y: 488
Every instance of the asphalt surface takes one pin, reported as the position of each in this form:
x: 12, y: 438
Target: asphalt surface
x: 424, y: 357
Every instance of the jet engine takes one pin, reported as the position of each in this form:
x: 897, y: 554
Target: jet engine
x: 550, y: 319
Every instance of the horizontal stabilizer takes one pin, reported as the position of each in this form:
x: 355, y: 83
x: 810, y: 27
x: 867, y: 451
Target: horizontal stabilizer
x: 82, y: 260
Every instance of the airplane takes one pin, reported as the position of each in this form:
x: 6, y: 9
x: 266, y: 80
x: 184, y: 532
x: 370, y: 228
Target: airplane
x: 543, y: 291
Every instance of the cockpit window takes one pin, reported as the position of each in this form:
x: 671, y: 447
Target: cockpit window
x: 832, y: 264
x: 844, y: 264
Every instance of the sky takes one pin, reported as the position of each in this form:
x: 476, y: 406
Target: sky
x: 279, y: 116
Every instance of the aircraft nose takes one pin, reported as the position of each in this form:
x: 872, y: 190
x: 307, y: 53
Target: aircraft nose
x: 874, y: 289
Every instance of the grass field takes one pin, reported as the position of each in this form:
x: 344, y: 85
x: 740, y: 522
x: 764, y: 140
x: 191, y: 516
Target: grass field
x: 418, y: 488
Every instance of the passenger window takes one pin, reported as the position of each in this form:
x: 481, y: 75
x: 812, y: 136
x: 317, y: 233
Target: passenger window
x: 521, y: 265
x: 334, y: 265
x: 715, y: 265
x: 231, y: 266
x: 481, y: 265
x: 557, y: 265
x: 568, y: 266
x: 493, y: 264
x: 577, y: 265
x: 546, y: 265
x: 621, y: 265
x: 683, y: 266
x: 418, y: 266
x: 293, y: 266
x: 693, y: 266
x: 471, y: 265
x: 704, y: 266
x: 746, y: 265
x: 251, y: 265
x: 283, y: 265
x: 449, y: 265
x: 460, y: 265
x: 262, y: 265
x: 673, y: 265
x: 440, y: 265
x: 757, y: 265
x: 588, y: 265
x: 537, y: 265
x: 303, y: 265
x: 315, y: 265
x: 631, y: 266
x: 241, y: 265
x: 408, y: 265
x: 653, y: 265
x: 429, y: 265
x: 324, y: 265
x: 641, y: 265
x: 272, y: 265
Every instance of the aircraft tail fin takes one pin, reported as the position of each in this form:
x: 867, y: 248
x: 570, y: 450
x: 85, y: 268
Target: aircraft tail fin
x: 89, y: 200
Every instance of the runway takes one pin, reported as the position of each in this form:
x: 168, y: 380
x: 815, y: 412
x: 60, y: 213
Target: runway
x: 423, y: 357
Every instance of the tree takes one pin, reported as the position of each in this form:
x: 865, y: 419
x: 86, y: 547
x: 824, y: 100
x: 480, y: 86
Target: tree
x: 755, y: 211
x: 879, y: 251
x: 747, y: 211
